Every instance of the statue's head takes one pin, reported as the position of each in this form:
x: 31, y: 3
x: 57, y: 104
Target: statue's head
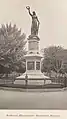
x: 34, y: 13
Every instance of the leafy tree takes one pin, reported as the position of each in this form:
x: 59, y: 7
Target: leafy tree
x: 51, y: 61
x: 12, y: 47
x: 64, y: 68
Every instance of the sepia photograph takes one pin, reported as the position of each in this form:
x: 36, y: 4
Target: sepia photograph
x: 33, y: 54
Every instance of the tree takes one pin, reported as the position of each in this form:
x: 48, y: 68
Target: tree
x: 12, y: 47
x: 51, y: 61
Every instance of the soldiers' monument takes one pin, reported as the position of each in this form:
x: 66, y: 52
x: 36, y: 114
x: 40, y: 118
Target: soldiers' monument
x: 33, y: 57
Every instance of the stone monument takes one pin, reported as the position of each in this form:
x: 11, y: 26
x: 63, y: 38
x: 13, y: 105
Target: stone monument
x: 33, y: 56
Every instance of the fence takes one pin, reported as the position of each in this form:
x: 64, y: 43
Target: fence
x: 8, y: 80
x: 56, y: 83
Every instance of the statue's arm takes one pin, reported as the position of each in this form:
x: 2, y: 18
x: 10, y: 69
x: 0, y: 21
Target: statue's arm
x: 30, y: 13
x: 28, y: 8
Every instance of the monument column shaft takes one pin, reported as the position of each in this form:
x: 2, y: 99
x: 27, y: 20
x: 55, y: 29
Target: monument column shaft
x: 34, y: 65
x: 33, y: 44
x: 40, y: 65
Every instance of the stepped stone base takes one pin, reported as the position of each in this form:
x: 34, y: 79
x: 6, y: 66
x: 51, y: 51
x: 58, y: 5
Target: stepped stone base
x: 34, y: 78
x: 30, y: 82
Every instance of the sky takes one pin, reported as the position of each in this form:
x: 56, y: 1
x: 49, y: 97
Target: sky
x: 52, y: 15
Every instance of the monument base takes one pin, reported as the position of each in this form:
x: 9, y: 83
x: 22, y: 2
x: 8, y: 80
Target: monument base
x: 34, y: 78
